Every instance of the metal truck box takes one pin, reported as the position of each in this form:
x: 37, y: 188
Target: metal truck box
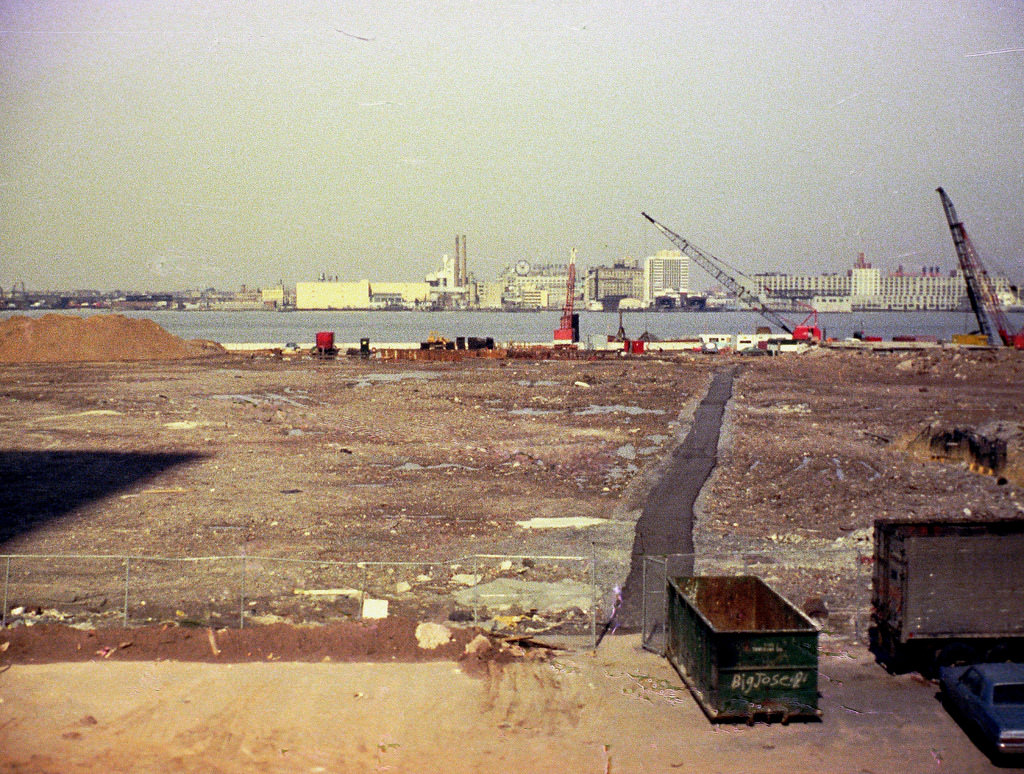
x: 742, y: 649
x: 939, y: 583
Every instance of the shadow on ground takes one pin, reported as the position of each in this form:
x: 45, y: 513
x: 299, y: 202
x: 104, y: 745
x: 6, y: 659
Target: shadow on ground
x: 40, y: 486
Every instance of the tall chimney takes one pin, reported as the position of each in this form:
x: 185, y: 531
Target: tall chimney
x: 456, y: 276
x: 465, y: 277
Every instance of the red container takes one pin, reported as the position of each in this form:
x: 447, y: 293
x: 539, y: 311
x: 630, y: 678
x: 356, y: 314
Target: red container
x: 637, y: 347
x: 325, y: 340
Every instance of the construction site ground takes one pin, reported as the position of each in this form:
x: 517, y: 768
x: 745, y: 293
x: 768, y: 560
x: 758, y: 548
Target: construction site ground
x: 463, y: 468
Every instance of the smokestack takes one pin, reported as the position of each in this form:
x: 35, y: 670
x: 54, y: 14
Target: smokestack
x: 456, y: 274
x: 465, y: 277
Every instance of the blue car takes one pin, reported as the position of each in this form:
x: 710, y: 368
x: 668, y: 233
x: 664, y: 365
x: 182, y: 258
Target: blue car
x: 991, y: 698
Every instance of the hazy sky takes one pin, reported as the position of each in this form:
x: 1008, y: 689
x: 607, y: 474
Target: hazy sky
x: 153, y: 145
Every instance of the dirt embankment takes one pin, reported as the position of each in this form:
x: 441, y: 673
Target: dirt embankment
x: 57, y: 338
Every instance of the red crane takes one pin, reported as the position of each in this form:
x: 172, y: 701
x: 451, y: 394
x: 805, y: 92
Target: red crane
x: 568, y: 332
x: 980, y: 291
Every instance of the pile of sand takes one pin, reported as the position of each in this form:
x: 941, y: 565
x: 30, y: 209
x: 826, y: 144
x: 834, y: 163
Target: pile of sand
x: 63, y: 338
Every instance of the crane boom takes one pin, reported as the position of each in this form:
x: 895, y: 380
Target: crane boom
x: 568, y: 330
x: 984, y: 301
x: 738, y: 283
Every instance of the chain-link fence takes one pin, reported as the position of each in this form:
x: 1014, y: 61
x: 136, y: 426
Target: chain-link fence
x: 848, y: 622
x: 520, y: 594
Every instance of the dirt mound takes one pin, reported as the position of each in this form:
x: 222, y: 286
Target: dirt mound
x: 391, y: 639
x: 106, y: 337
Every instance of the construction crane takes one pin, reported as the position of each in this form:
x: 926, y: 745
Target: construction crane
x: 568, y: 332
x: 742, y: 286
x: 980, y: 292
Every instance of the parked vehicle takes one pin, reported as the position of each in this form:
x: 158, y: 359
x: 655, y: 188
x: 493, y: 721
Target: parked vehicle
x: 948, y: 592
x: 989, y: 697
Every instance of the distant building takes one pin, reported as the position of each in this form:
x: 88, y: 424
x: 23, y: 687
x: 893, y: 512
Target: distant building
x: 666, y: 274
x: 276, y: 297
x: 490, y: 294
x: 865, y: 288
x: 361, y: 294
x: 606, y: 287
x: 534, y: 287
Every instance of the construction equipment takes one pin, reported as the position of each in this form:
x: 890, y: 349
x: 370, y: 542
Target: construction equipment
x: 568, y: 332
x: 980, y: 292
x: 740, y: 285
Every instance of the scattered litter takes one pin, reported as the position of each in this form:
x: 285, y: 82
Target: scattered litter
x: 560, y: 522
x: 581, y: 384
x: 213, y: 642
x: 348, y: 593
x: 375, y: 608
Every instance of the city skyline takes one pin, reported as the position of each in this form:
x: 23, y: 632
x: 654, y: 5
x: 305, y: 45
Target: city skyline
x: 184, y: 145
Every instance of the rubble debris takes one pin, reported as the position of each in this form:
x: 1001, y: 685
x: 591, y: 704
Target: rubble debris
x: 431, y: 635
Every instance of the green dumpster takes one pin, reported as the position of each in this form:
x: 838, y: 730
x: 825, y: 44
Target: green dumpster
x: 743, y: 650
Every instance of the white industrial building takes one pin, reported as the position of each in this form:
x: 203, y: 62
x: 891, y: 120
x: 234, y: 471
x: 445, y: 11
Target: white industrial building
x: 666, y: 273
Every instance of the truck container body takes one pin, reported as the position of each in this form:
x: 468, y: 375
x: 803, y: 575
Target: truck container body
x: 743, y: 650
x: 947, y: 591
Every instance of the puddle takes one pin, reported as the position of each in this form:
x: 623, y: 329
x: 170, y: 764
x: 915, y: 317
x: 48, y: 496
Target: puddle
x: 538, y: 383
x: 614, y: 474
x: 259, y: 400
x: 533, y: 412
x: 616, y: 409
x: 412, y: 466
x: 627, y: 451
x: 368, y: 380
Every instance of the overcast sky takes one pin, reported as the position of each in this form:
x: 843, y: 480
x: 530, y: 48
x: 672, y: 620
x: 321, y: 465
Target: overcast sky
x: 161, y: 145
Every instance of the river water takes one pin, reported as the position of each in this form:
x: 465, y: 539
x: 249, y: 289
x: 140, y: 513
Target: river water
x: 300, y: 327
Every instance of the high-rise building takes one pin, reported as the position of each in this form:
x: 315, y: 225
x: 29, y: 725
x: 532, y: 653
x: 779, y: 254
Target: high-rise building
x: 666, y: 273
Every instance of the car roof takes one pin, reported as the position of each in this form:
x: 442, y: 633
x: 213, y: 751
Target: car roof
x: 1001, y: 673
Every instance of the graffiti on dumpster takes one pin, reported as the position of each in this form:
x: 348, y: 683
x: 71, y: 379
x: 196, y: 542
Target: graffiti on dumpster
x: 753, y: 681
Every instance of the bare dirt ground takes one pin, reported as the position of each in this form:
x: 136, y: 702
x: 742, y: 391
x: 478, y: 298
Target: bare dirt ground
x: 364, y: 461
x: 622, y: 709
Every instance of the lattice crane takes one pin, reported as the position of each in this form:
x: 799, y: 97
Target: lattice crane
x: 568, y: 331
x: 742, y: 286
x: 980, y: 292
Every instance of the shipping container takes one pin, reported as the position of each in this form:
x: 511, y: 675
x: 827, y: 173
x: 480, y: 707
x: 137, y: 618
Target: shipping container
x: 742, y: 649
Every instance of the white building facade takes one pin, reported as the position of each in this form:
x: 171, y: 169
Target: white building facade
x: 666, y: 273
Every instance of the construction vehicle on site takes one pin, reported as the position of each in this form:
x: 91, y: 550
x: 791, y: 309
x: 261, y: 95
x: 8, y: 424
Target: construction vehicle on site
x: 981, y: 292
x: 568, y: 331
x: 742, y: 286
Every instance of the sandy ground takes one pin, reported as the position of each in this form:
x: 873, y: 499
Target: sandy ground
x: 619, y: 710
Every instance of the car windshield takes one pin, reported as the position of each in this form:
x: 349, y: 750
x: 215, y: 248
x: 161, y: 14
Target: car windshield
x: 1008, y: 693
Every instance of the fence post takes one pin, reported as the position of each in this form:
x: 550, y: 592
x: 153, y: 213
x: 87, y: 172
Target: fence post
x: 362, y: 591
x: 7, y: 579
x: 127, y: 572
x: 241, y: 601
x: 643, y: 599
x: 593, y: 594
